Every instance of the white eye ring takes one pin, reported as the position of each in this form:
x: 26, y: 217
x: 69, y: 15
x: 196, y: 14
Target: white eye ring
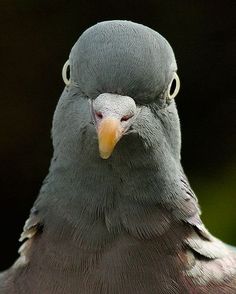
x: 64, y: 73
x: 177, y: 87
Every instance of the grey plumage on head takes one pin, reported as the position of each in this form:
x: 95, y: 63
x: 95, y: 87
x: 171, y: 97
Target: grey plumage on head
x: 127, y: 59
x: 124, y: 58
x: 130, y: 223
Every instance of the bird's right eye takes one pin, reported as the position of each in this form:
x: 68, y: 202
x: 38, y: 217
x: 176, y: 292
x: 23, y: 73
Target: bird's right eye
x: 66, y: 73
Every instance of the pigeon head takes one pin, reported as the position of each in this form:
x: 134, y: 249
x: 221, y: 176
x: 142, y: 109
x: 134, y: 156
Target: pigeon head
x: 124, y: 58
x: 121, y: 88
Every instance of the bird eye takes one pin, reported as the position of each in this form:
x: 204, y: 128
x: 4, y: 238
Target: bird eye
x: 173, y: 87
x: 66, y: 73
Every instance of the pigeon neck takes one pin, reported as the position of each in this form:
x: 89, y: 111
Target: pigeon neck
x: 98, y: 186
x: 96, y: 204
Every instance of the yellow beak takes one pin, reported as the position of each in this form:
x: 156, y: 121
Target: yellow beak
x: 109, y: 133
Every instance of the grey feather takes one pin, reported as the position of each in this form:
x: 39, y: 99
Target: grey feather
x: 129, y: 224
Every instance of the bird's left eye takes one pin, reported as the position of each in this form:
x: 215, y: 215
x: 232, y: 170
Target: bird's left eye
x: 173, y: 87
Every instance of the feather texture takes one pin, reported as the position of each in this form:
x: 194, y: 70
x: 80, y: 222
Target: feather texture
x: 129, y: 224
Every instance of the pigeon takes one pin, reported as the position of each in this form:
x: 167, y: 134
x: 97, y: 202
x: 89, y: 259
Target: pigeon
x: 116, y: 213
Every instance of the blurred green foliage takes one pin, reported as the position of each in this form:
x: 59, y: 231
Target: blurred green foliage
x: 217, y: 198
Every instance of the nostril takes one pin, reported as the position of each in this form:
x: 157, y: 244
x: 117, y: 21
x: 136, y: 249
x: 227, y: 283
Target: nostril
x: 126, y: 117
x: 98, y: 114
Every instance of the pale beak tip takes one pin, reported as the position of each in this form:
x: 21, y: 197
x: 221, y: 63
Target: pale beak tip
x: 109, y: 133
x: 105, y: 155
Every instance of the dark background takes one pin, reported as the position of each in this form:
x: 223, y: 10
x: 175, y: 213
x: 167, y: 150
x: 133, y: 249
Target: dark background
x: 36, y: 38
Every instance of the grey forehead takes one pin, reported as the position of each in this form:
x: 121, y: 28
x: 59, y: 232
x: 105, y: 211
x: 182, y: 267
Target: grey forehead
x: 122, y: 57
